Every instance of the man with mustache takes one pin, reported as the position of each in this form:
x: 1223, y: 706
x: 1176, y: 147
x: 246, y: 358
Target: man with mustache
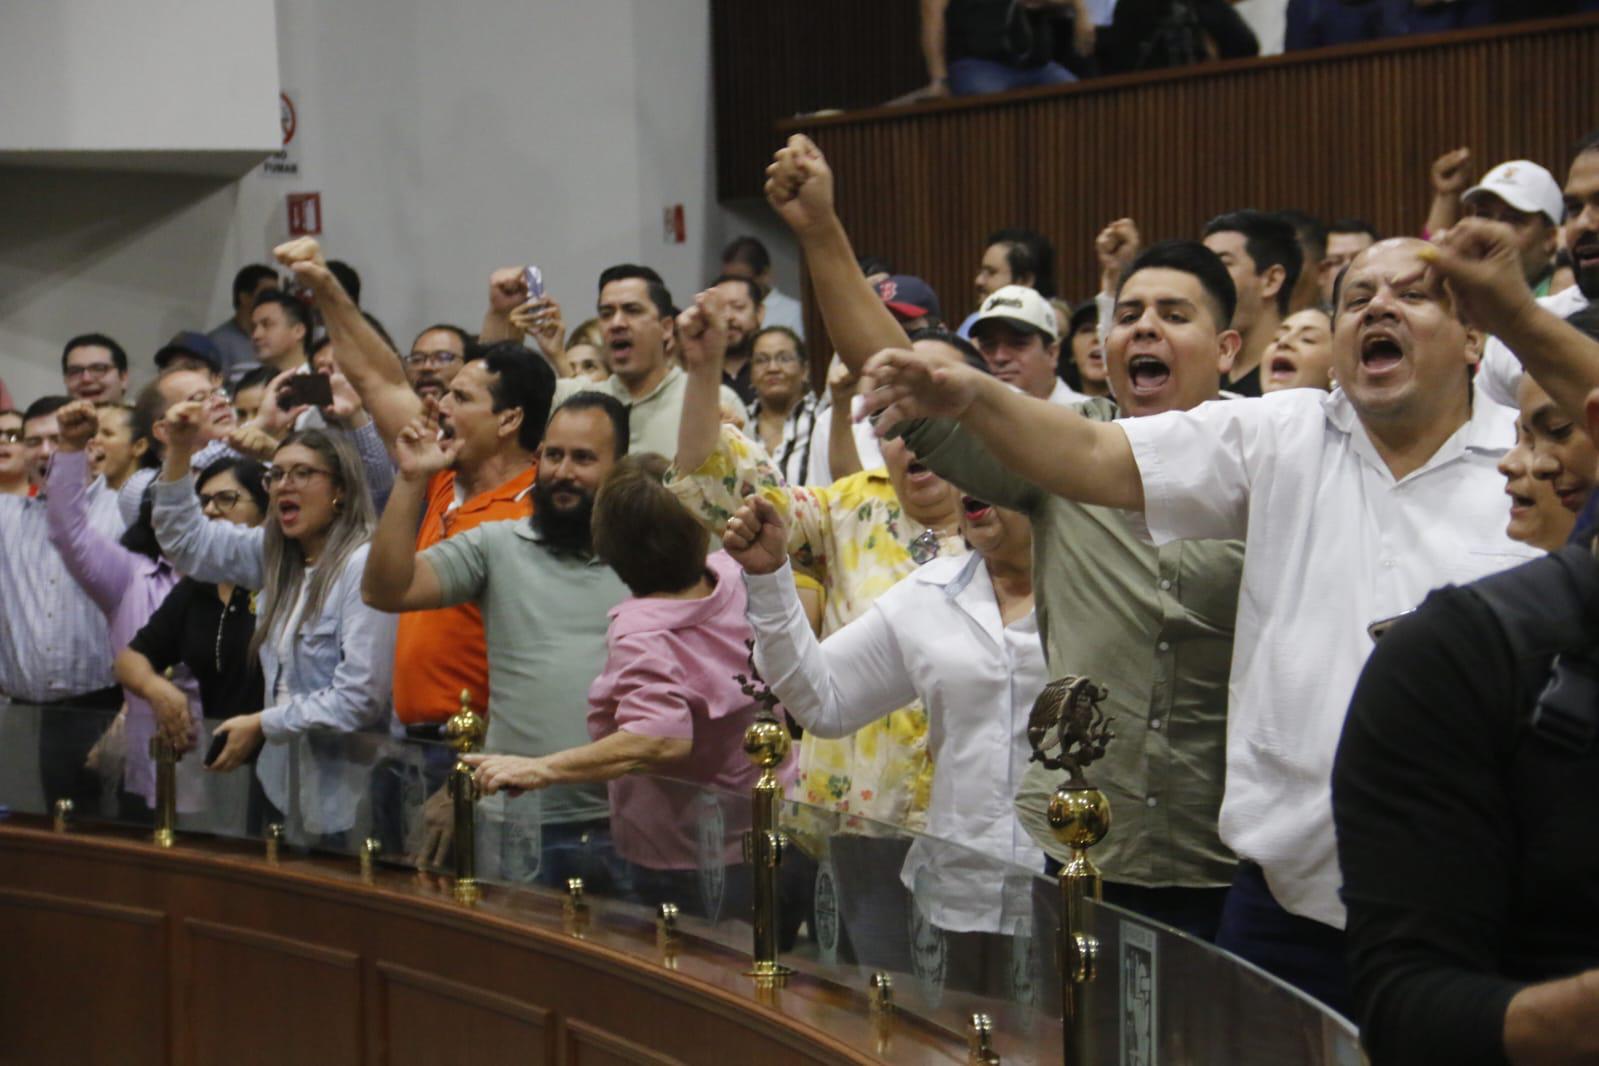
x: 436, y: 356
x: 1500, y: 373
x: 1352, y: 505
x: 490, y: 417
x: 544, y: 599
x: 1152, y: 624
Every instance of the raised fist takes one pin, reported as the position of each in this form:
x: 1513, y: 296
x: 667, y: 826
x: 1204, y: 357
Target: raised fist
x: 507, y: 290
x: 799, y: 185
x: 417, y: 451
x: 703, y: 331
x: 303, y: 258
x: 78, y: 422
x: 1116, y: 246
x: 1449, y: 172
x: 756, y: 536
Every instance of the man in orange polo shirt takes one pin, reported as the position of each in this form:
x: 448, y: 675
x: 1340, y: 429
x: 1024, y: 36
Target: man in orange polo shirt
x: 439, y: 654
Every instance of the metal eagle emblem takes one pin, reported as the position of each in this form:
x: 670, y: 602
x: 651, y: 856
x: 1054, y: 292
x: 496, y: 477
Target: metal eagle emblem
x: 1067, y: 720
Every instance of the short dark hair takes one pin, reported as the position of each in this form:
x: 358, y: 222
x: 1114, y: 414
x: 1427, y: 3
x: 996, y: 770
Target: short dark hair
x: 248, y: 278
x: 874, y: 264
x: 794, y: 338
x: 1270, y: 241
x: 1028, y: 251
x: 467, y: 339
x: 749, y: 251
x: 292, y: 307
x: 137, y: 431
x: 757, y: 297
x: 1589, y: 143
x: 968, y: 350
x: 149, y: 407
x: 659, y: 295
x: 1190, y: 257
x: 250, y: 474
x: 615, y: 410
x: 43, y: 407
x: 521, y: 379
x: 348, y: 278
x: 1312, y: 233
x: 261, y: 375
x: 84, y: 340
x: 1353, y: 225
x: 644, y: 532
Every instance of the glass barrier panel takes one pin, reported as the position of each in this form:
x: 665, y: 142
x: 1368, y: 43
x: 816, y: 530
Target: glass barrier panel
x: 63, y: 752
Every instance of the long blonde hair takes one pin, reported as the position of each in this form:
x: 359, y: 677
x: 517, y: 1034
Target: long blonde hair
x: 284, y: 561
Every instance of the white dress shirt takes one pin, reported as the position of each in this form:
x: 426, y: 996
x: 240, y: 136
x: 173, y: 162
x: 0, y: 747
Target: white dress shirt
x: 937, y: 636
x: 1065, y: 395
x: 1332, y: 543
x: 1499, y: 374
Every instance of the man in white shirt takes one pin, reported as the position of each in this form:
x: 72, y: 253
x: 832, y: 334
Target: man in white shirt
x: 1352, y: 506
x: 1500, y: 373
x: 1018, y: 334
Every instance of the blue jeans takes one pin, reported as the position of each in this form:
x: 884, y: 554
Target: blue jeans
x: 1300, y: 951
x: 975, y: 77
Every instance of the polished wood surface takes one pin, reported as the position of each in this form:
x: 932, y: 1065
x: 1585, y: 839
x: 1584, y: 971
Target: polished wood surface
x: 1338, y: 132
x: 205, y: 954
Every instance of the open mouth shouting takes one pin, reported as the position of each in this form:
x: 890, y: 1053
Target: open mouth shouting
x: 1282, y: 368
x: 289, y: 515
x: 1147, y: 374
x: 975, y: 510
x: 1380, y: 353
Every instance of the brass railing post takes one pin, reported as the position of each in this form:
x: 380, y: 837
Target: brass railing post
x: 766, y: 742
x: 166, y: 792
x: 465, y: 730
x: 1068, y: 731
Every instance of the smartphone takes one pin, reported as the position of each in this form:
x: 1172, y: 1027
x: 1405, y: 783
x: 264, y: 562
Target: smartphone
x: 313, y: 390
x: 218, y: 742
x: 533, y: 277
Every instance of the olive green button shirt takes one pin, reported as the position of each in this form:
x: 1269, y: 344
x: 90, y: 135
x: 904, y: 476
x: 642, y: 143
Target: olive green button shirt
x: 1155, y: 627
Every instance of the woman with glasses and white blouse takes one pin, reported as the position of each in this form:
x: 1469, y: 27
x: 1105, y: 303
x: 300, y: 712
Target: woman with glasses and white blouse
x: 326, y: 657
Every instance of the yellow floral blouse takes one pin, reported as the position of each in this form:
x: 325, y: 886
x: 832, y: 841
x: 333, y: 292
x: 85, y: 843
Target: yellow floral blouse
x: 854, y: 539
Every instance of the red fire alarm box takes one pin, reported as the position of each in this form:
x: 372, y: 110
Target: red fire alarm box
x: 305, y: 214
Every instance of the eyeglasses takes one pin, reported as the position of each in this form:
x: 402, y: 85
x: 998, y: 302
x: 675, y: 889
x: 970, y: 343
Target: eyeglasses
x: 98, y: 370
x: 206, y: 395
x: 224, y: 501
x: 295, y: 477
x: 775, y: 359
x: 439, y: 359
x: 10, y: 436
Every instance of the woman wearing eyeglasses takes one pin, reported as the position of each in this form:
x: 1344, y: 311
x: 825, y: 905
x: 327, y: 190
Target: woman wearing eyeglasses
x: 326, y: 657
x: 204, y: 627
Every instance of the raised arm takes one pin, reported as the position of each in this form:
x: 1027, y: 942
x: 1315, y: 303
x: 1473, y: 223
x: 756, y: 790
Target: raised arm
x: 96, y: 562
x: 1479, y: 263
x: 799, y: 186
x: 396, y: 577
x: 948, y: 450
x: 834, y: 687
x: 1448, y: 182
x: 1051, y: 446
x: 372, y: 367
x: 207, y: 551
x: 704, y: 344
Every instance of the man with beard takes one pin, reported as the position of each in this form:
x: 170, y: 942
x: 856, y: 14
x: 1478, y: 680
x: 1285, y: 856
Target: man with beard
x: 741, y: 298
x: 490, y: 419
x: 436, y: 356
x: 1351, y: 505
x: 1500, y: 373
x: 1152, y: 624
x: 545, y: 600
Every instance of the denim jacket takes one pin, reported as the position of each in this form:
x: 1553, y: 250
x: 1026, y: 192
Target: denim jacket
x: 338, y: 678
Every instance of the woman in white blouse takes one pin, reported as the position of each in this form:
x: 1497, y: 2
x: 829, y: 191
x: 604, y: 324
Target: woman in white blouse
x: 961, y: 634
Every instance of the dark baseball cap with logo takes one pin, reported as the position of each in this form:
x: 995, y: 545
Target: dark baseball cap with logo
x: 909, y: 297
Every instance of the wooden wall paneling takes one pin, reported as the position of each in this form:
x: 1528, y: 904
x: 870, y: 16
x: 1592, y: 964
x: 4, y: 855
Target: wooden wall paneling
x: 430, y: 1021
x: 293, y: 1000
x: 86, y: 994
x: 1341, y: 132
x: 589, y: 1046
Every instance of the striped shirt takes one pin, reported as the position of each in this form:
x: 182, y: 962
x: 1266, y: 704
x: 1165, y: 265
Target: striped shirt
x: 54, y: 641
x: 792, y: 456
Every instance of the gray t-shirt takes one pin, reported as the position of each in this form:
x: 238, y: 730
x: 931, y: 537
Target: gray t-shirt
x: 653, y: 418
x: 545, y: 616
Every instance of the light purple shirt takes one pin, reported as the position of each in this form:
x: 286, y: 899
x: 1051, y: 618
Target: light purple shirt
x: 670, y: 673
x: 53, y: 642
x: 125, y: 585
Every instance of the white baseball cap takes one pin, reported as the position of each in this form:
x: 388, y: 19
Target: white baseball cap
x: 1020, y: 306
x: 1526, y: 186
